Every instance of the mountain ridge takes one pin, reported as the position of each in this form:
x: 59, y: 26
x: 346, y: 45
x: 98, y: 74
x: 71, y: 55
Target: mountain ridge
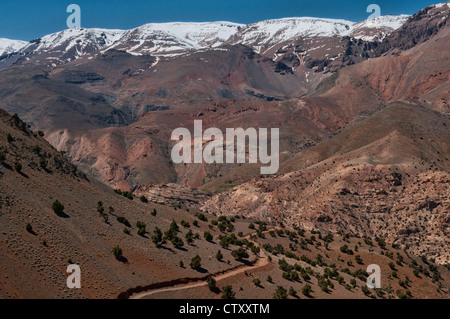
x: 175, y: 38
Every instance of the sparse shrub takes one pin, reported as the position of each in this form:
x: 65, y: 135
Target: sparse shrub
x: 196, y: 262
x: 143, y: 199
x: 219, y: 255
x: 43, y: 162
x: 228, y: 293
x: 269, y: 279
x: 211, y: 283
x: 2, y: 157
x: 153, y: 213
x: 128, y: 195
x: 306, y: 290
x: 202, y: 217
x: 100, y: 208
x: 140, y: 224
x: 280, y: 293
x: 185, y: 224
x: 323, y: 284
x: 117, y: 252
x: 18, y: 167
x: 346, y: 250
x: 101, y: 211
x: 222, y: 227
x: 402, y: 295
x: 41, y: 134
x: 126, y: 231
x: 305, y: 276
x: 381, y: 242
x: 9, y: 138
x: 365, y: 290
x: 29, y: 228
x: 257, y: 282
x: 141, y: 231
x: 255, y: 249
x: 174, y: 226
x: 157, y: 237
x: 292, y: 292
x: 57, y: 207
x: 284, y: 266
x: 170, y: 234
x: 195, y: 223
x: 207, y: 235
x: 358, y: 259
x: 124, y: 221
x: 189, y: 237
x: 239, y: 253
x: 177, y: 242
x: 294, y: 276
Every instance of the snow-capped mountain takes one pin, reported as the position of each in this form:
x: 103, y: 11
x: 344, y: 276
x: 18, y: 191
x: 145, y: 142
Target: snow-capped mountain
x: 268, y: 33
x: 261, y: 36
x: 65, y: 46
x: 9, y: 46
x: 378, y: 28
x: 175, y: 38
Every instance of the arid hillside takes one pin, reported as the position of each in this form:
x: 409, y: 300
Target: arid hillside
x: 87, y: 177
x: 40, y: 239
x: 385, y: 175
x: 38, y: 243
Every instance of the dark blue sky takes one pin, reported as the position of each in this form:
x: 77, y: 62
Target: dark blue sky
x: 29, y: 19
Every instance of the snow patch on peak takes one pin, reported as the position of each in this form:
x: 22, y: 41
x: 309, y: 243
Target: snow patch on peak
x: 389, y: 21
x: 279, y: 30
x: 440, y: 5
x: 162, y: 38
x: 8, y: 46
x: 377, y: 28
x: 265, y: 34
x: 72, y: 37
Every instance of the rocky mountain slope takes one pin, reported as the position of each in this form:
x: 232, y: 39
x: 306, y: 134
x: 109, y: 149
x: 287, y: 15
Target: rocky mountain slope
x: 40, y: 240
x: 231, y: 88
x: 392, y: 183
x: 364, y: 128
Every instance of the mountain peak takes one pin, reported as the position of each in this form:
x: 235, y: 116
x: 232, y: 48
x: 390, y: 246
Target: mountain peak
x: 9, y: 46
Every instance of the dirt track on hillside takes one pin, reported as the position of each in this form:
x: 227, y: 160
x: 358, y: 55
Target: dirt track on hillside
x: 187, y: 283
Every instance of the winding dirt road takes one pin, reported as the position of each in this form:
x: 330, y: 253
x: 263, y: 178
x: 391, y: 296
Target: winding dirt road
x: 187, y: 283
